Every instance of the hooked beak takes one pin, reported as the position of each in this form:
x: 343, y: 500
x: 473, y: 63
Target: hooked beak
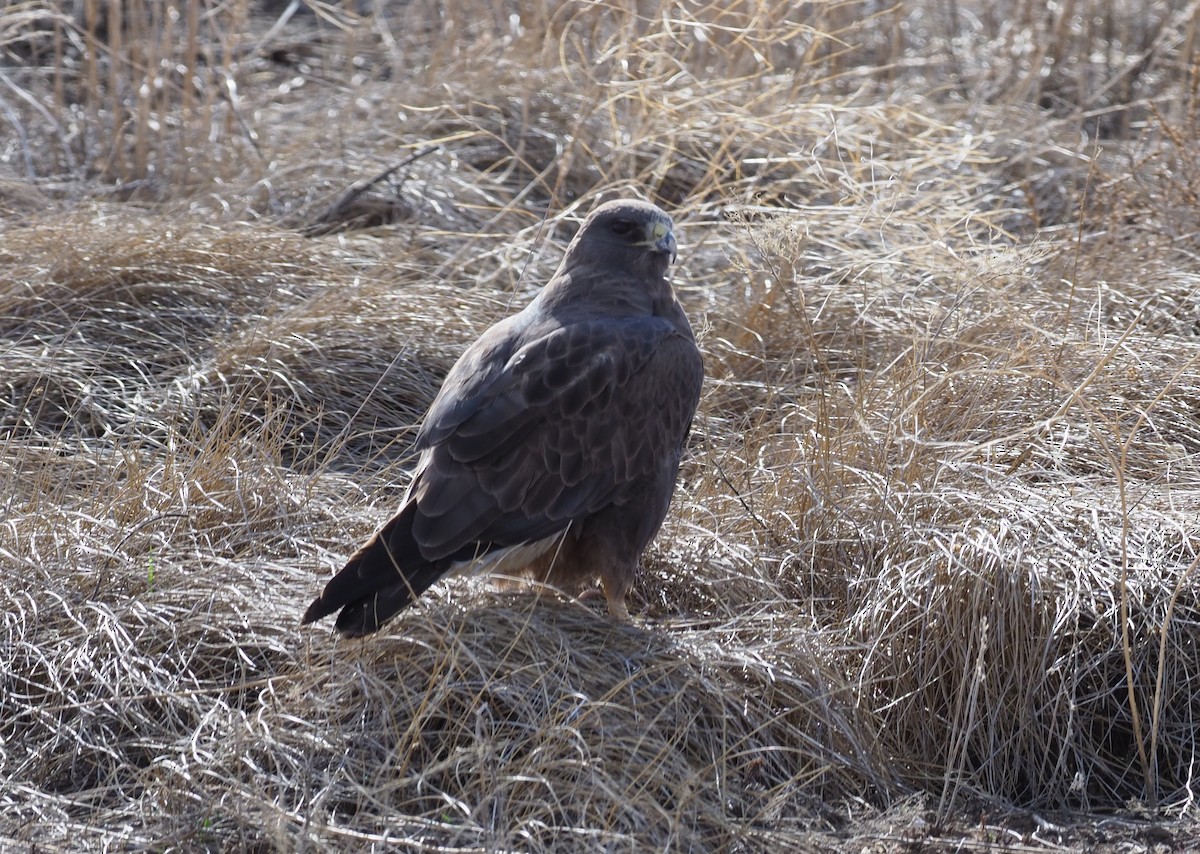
x: 663, y: 239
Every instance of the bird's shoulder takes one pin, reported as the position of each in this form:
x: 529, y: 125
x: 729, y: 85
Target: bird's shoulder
x: 537, y: 359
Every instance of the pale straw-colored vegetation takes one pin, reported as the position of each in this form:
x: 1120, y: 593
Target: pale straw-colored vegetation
x: 929, y: 582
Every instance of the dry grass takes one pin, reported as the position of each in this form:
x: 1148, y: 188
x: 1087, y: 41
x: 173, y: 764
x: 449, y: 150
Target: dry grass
x: 930, y: 581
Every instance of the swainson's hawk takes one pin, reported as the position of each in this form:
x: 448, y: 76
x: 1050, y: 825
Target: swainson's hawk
x: 553, y: 446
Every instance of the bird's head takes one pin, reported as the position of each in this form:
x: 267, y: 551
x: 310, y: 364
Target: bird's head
x: 628, y: 231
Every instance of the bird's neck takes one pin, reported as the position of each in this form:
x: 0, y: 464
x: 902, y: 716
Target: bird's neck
x: 635, y: 294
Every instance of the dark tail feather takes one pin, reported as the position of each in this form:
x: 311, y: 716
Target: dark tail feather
x: 379, y: 581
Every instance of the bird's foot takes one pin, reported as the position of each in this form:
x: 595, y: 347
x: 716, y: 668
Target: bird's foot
x: 618, y: 611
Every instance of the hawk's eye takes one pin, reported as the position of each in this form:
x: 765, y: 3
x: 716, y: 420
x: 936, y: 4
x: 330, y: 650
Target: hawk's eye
x: 622, y: 227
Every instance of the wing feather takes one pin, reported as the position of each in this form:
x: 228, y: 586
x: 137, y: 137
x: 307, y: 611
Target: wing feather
x: 573, y: 418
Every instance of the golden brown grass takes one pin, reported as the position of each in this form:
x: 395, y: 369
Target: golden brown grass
x: 930, y: 579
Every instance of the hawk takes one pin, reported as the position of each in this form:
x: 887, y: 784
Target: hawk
x: 553, y: 446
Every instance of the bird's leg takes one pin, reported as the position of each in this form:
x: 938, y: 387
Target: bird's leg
x: 617, y: 610
x: 616, y: 605
x: 616, y: 583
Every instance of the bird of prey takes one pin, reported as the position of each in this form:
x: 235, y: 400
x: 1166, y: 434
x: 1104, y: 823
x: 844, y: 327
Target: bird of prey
x: 553, y: 446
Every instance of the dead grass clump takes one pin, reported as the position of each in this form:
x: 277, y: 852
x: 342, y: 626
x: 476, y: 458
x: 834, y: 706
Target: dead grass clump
x: 108, y: 283
x: 350, y: 370
x: 956, y: 492
x: 1005, y: 628
x: 98, y: 697
x: 623, y: 735
x: 53, y: 398
x: 635, y: 735
x: 100, y: 316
